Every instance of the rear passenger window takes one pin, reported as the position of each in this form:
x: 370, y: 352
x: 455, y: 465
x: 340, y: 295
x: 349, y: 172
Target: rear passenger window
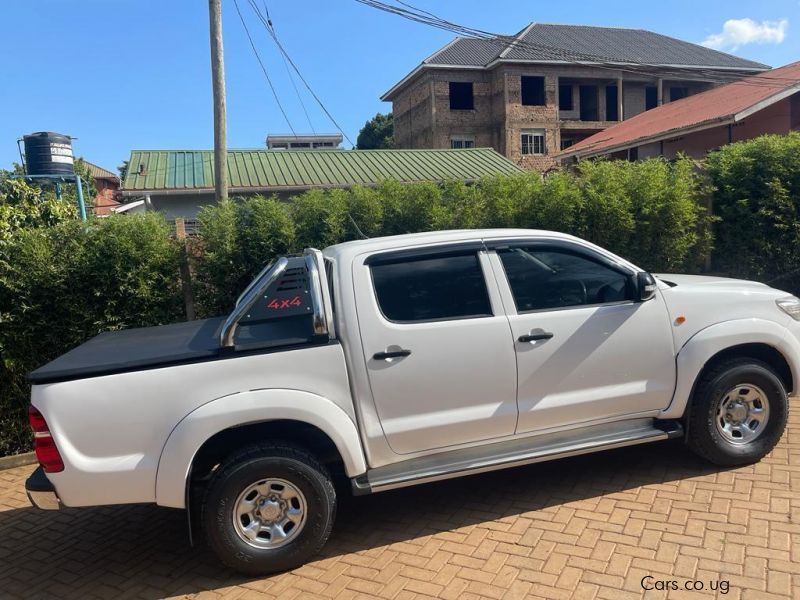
x: 548, y: 278
x: 431, y: 288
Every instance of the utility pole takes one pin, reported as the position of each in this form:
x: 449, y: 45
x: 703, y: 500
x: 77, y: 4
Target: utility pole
x: 218, y: 84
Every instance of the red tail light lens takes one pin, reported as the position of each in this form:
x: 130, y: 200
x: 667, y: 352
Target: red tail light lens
x: 46, y: 452
x: 35, y: 418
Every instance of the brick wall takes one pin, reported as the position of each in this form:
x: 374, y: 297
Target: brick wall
x: 105, y: 200
x: 477, y: 122
x: 413, y: 120
x: 634, y: 99
x: 520, y: 117
x: 773, y: 119
x: 423, y: 118
x: 794, y: 112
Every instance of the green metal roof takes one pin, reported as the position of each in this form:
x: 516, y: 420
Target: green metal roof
x: 276, y: 170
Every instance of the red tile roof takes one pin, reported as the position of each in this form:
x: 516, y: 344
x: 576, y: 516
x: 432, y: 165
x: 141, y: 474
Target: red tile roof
x: 724, y: 104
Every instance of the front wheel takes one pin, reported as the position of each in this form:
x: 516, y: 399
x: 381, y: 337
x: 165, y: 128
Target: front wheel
x: 738, y: 413
x: 268, y: 508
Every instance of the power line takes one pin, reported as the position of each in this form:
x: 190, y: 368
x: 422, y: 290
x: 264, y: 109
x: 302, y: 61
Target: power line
x: 263, y: 68
x: 604, y: 62
x: 289, y: 72
x: 297, y: 70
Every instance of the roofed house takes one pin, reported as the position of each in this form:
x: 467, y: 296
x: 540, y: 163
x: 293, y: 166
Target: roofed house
x: 107, y: 183
x: 315, y: 141
x: 535, y: 93
x: 181, y: 182
x: 766, y: 103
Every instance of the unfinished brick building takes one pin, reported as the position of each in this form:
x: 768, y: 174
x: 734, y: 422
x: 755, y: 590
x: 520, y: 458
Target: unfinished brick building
x: 530, y: 95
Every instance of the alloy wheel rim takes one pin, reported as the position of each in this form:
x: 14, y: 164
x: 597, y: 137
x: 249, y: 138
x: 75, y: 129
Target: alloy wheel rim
x: 269, y: 513
x: 742, y: 414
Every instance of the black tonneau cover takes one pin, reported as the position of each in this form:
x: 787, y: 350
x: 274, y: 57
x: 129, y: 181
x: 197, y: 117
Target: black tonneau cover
x: 282, y: 317
x: 131, y: 349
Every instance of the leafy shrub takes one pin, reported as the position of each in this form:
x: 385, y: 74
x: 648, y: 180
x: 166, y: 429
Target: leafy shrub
x: 237, y: 240
x: 62, y: 281
x: 757, y: 199
x: 648, y: 211
x: 63, y: 284
x: 23, y: 206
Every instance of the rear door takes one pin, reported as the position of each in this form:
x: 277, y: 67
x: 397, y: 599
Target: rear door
x: 436, y: 345
x: 586, y: 350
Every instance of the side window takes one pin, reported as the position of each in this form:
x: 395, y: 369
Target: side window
x: 533, y: 93
x: 547, y: 278
x: 461, y: 97
x: 431, y: 288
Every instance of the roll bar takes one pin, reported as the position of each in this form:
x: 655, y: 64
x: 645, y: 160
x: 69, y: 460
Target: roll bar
x: 322, y: 314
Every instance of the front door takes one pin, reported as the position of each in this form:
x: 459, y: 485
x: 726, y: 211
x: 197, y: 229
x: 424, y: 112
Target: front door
x: 436, y: 346
x: 586, y: 350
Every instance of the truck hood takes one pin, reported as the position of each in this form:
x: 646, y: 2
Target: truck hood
x: 672, y: 280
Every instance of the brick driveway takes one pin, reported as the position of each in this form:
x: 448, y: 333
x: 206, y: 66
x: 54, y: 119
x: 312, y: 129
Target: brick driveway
x: 588, y: 527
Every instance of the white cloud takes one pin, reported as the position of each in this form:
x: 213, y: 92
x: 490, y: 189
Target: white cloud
x: 739, y: 32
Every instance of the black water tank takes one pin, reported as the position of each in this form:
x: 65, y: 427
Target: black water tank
x: 48, y: 153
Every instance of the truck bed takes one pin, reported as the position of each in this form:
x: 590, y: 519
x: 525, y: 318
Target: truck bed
x: 166, y: 345
x: 132, y: 349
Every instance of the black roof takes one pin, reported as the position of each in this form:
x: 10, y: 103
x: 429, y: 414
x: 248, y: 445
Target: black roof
x: 542, y: 42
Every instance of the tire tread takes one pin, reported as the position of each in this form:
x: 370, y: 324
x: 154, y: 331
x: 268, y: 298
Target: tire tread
x: 699, y: 438
x: 270, y: 449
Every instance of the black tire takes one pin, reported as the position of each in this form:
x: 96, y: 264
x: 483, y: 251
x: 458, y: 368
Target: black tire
x: 704, y: 437
x: 244, y: 468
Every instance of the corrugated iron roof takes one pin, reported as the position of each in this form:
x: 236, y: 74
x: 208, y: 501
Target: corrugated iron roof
x: 718, y: 105
x: 614, y: 44
x: 584, y: 44
x: 99, y: 172
x: 276, y: 170
x: 546, y: 42
x: 468, y: 52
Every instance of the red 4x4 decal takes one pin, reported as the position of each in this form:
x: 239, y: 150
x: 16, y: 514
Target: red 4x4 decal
x: 276, y: 304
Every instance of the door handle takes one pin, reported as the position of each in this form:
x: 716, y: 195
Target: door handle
x: 534, y: 337
x: 391, y: 354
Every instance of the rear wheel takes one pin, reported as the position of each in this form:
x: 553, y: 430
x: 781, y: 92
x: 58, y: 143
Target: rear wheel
x: 738, y: 413
x: 268, y: 508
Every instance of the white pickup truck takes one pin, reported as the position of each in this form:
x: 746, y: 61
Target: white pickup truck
x: 402, y: 360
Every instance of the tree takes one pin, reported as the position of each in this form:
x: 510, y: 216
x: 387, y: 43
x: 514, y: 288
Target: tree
x: 377, y: 133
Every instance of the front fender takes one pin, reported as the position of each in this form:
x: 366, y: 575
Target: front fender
x: 251, y: 407
x: 708, y: 342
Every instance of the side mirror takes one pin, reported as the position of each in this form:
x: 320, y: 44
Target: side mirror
x: 646, y: 286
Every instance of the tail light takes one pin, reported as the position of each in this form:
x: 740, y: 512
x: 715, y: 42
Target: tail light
x: 46, y: 452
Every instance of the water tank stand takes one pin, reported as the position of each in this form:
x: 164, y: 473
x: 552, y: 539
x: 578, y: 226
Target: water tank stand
x: 57, y: 180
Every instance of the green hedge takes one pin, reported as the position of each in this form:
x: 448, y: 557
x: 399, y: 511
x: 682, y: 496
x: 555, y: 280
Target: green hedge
x: 63, y: 284
x: 650, y: 212
x: 62, y: 281
x: 757, y: 201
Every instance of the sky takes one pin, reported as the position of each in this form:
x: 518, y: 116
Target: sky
x: 120, y: 75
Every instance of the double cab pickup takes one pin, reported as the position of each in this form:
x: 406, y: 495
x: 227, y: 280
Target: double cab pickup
x: 401, y: 360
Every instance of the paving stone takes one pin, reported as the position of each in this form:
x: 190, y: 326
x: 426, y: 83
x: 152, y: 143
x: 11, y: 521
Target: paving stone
x: 587, y: 527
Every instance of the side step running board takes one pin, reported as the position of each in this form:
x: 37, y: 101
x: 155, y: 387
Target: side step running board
x: 513, y: 453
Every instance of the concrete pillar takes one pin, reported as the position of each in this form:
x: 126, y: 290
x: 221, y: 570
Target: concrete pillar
x: 660, y: 85
x: 620, y: 104
x: 558, y: 101
x: 433, y: 105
